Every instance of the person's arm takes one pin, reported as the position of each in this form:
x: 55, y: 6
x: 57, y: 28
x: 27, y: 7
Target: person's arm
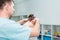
x: 22, y: 21
x: 36, y: 29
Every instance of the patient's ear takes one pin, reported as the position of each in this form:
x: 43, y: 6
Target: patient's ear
x: 33, y: 21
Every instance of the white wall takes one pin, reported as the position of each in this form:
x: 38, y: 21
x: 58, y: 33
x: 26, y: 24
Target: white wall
x: 47, y: 10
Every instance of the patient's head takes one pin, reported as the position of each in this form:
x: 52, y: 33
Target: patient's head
x: 31, y: 17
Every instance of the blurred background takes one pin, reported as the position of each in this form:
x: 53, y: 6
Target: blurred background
x: 48, y: 11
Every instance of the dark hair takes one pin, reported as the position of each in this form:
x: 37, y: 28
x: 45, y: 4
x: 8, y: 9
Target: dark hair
x: 2, y: 3
x: 31, y: 17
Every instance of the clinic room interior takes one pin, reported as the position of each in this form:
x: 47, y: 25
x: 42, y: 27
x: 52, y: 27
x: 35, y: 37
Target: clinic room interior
x: 48, y: 12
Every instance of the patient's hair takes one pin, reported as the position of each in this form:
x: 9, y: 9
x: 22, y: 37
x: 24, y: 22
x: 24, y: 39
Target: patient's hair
x: 31, y: 17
